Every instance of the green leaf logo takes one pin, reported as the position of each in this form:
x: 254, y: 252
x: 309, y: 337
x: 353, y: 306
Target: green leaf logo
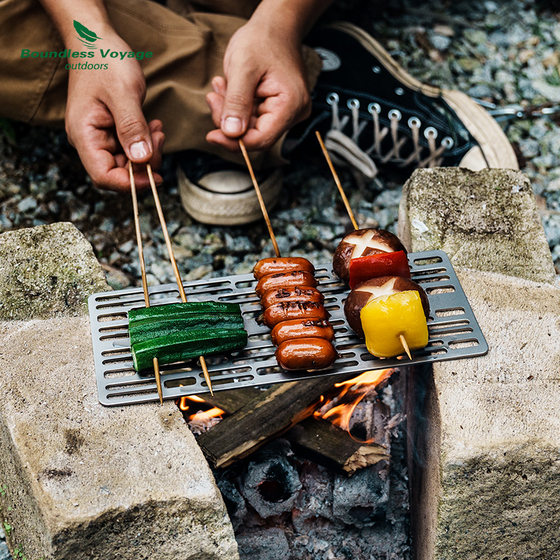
x: 86, y: 36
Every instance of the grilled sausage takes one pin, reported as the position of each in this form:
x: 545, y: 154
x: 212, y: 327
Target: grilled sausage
x: 286, y: 264
x: 295, y: 293
x: 293, y: 310
x: 298, y: 328
x: 305, y: 353
x: 285, y: 280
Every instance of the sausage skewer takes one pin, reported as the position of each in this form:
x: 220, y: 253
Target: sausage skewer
x: 350, y: 213
x: 259, y: 196
x: 292, y: 305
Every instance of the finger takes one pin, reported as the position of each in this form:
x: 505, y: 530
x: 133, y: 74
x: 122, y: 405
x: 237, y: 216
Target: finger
x: 216, y: 103
x: 238, y: 101
x: 132, y: 130
x: 158, y: 138
x: 219, y: 138
x: 219, y: 85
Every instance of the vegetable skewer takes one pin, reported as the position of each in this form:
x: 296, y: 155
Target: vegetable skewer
x: 143, y: 267
x: 174, y: 263
x: 351, y: 215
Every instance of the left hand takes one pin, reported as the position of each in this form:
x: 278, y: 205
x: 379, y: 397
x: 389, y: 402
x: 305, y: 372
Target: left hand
x: 264, y: 91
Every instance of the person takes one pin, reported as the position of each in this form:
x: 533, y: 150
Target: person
x: 134, y: 79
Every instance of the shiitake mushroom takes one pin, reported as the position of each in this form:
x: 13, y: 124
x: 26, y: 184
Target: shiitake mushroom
x: 376, y: 287
x: 361, y: 243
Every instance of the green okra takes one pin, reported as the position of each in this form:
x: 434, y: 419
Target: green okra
x: 148, y: 329
x: 184, y: 345
x: 176, y: 310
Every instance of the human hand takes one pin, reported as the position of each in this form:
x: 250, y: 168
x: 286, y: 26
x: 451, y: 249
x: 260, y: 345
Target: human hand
x: 264, y: 91
x: 105, y: 123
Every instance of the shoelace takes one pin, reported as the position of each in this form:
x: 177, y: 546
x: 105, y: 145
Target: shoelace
x: 344, y: 149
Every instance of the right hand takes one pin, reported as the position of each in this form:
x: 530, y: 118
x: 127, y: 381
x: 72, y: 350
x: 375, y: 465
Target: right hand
x: 105, y: 122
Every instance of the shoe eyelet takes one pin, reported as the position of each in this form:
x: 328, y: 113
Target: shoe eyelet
x: 332, y: 98
x: 353, y: 103
x: 395, y: 114
x: 374, y: 107
x: 376, y: 69
x: 448, y: 142
x: 399, y: 91
x: 414, y: 122
x: 430, y: 132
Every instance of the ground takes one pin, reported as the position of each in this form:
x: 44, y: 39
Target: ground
x: 502, y: 52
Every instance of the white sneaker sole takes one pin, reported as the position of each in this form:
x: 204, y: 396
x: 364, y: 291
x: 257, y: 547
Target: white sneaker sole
x: 225, y: 208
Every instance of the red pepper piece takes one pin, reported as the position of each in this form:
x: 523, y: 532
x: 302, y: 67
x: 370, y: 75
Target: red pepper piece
x: 381, y: 264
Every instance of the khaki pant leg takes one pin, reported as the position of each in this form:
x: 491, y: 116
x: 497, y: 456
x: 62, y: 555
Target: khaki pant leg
x: 187, y: 53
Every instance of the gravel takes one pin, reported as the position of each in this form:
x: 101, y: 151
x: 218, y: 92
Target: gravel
x: 502, y: 52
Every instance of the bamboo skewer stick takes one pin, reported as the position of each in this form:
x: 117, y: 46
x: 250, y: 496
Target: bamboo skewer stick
x: 143, y: 267
x: 174, y: 263
x: 337, y: 180
x: 259, y: 196
x: 405, y: 346
x: 350, y: 213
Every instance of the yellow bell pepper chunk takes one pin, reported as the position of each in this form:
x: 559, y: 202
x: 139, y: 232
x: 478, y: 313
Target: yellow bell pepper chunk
x: 386, y: 317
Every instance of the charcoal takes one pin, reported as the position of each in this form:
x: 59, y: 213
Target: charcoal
x: 271, y: 483
x: 362, y: 499
x: 263, y: 544
x: 316, y: 498
x: 234, y: 501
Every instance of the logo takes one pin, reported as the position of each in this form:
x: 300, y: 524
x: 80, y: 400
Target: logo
x: 329, y: 59
x: 93, y: 60
x: 85, y: 35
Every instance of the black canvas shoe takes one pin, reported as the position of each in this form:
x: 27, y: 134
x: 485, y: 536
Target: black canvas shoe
x: 372, y: 112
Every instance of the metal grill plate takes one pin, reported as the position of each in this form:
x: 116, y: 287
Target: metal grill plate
x: 454, y: 333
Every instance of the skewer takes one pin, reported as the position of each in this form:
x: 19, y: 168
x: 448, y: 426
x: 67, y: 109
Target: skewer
x: 259, y: 196
x: 337, y: 180
x: 405, y: 346
x: 174, y: 264
x: 350, y: 213
x: 143, y: 267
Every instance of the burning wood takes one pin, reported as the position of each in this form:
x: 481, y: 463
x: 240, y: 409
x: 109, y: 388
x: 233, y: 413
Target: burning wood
x: 330, y: 436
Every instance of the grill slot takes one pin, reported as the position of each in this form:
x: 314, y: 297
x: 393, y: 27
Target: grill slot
x: 454, y: 333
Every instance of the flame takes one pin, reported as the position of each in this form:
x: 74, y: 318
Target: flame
x: 199, y: 417
x: 352, y: 392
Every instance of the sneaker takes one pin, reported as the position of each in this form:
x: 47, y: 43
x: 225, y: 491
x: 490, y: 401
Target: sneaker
x: 216, y: 192
x: 372, y: 112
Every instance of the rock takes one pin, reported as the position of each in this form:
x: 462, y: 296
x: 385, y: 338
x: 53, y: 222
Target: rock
x: 27, y: 204
x: 484, y: 220
x: 86, y: 482
x: 496, y: 421
x: 548, y: 91
x: 47, y: 271
x: 529, y: 147
x: 489, y: 445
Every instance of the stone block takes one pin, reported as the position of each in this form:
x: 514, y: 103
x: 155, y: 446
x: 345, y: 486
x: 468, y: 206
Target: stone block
x: 79, y: 481
x: 485, y: 220
x: 85, y: 482
x: 490, y: 468
x: 46, y: 271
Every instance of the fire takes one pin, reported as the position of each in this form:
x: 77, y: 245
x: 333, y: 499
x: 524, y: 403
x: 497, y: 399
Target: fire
x: 199, y: 419
x: 338, y: 410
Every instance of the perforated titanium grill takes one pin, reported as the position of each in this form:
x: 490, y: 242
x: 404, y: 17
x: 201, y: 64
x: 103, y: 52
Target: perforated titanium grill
x: 454, y: 333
